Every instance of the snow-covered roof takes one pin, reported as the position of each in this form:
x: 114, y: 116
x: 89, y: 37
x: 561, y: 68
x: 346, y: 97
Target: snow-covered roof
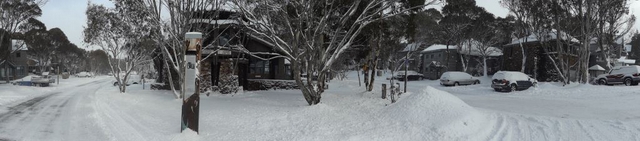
x: 436, y: 64
x: 473, y: 48
x: 618, y: 41
x: 211, y: 21
x: 18, y: 45
x: 412, y: 47
x: 225, y: 5
x: 596, y: 68
x: 624, y: 59
x: 435, y: 47
x: 550, y: 36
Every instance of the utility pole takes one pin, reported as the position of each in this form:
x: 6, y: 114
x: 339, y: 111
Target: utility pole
x: 191, y: 105
x: 58, y: 74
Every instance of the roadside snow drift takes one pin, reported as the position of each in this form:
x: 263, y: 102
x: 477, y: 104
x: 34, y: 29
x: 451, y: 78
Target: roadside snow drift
x: 437, y: 115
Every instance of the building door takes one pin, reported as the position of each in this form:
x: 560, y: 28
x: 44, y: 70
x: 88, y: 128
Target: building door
x: 243, y: 72
x: 215, y: 72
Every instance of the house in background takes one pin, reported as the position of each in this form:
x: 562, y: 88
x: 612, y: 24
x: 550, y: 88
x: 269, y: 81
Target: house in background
x: 619, y: 51
x: 237, y: 52
x: 537, y: 52
x: 438, y: 58
x: 435, y: 63
x: 17, y: 64
x: 475, y: 54
x: 412, y: 52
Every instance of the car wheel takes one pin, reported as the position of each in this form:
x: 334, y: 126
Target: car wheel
x: 627, y: 82
x: 456, y: 84
x: 514, y: 87
x: 602, y: 82
x: 535, y: 84
x: 477, y: 82
x: 497, y: 90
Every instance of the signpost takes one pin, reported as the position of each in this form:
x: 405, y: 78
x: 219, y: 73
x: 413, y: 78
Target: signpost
x: 191, y: 105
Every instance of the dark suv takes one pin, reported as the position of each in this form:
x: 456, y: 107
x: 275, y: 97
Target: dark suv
x: 627, y: 75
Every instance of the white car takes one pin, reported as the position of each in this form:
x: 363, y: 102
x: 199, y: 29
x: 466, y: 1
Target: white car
x: 456, y: 78
x: 133, y: 79
x: 83, y: 74
x: 512, y: 81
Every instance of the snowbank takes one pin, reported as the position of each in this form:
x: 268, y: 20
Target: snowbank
x: 187, y: 135
x: 439, y: 115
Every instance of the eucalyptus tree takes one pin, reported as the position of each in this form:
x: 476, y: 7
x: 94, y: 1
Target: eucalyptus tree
x: 313, y: 34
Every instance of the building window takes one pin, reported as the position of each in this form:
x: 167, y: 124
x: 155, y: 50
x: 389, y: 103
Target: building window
x: 259, y: 66
x: 20, y: 70
x: 18, y: 55
x: 288, y: 70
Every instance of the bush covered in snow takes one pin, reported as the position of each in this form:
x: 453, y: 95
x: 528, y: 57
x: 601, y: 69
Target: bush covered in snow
x: 266, y: 84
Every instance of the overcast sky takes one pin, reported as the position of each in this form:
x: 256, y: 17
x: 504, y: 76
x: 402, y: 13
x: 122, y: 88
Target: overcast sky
x: 68, y: 15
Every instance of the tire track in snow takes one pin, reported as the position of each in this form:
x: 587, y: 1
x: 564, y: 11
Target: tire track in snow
x: 22, y: 107
x: 46, y: 117
x: 583, y: 129
x: 507, y: 126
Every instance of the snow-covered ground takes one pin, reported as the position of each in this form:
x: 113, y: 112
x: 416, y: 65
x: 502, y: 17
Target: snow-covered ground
x: 96, y: 111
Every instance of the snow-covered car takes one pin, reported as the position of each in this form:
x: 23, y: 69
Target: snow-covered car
x: 627, y: 75
x: 83, y: 74
x: 512, y: 81
x: 133, y: 79
x: 411, y: 75
x: 456, y: 78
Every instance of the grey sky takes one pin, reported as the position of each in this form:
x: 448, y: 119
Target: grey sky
x: 68, y: 15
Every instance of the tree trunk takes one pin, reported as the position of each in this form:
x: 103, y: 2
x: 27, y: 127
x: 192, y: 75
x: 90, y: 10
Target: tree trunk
x: 366, y: 75
x: 524, y: 57
x: 311, y: 96
x: 123, y: 87
x: 373, y: 73
x: 484, y: 63
x: 359, y: 81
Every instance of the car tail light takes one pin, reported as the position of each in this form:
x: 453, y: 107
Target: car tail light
x: 505, y: 81
x: 636, y: 74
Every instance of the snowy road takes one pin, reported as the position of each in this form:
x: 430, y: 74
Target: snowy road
x: 552, y: 112
x: 57, y: 115
x: 92, y: 109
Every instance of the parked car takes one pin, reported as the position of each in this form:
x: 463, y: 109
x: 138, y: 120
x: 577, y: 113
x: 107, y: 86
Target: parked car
x: 83, y: 74
x: 456, y: 78
x: 42, y: 81
x: 133, y: 79
x: 512, y: 81
x: 411, y: 75
x: 627, y: 75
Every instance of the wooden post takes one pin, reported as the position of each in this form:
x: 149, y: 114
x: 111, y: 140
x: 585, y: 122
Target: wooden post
x: 191, y: 105
x: 384, y: 91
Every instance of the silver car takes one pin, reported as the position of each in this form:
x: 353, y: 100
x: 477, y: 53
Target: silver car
x: 456, y: 78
